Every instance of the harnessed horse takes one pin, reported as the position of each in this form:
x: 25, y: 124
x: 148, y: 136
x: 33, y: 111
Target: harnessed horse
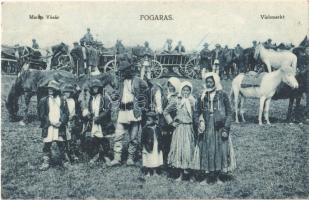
x: 265, y: 91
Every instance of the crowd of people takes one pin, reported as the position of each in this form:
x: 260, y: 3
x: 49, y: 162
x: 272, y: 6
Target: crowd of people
x: 225, y: 61
x: 175, y: 132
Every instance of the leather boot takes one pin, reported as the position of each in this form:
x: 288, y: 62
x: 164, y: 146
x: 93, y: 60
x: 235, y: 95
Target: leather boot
x: 115, y: 161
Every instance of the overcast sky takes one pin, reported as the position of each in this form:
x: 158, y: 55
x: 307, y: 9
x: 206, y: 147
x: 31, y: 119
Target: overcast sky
x: 224, y: 22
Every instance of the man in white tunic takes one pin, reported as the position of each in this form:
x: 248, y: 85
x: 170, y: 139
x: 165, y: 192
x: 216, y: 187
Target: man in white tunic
x: 131, y: 90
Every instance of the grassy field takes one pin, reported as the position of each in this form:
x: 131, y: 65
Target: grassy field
x: 273, y: 162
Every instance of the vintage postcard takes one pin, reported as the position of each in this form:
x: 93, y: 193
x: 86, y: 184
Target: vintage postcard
x: 155, y: 99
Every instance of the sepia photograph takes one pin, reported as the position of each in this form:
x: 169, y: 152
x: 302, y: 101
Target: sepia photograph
x: 145, y: 99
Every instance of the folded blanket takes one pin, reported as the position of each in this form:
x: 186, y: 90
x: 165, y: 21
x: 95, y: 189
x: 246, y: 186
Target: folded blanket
x: 252, y: 79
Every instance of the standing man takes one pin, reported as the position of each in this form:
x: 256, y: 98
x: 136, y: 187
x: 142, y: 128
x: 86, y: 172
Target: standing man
x: 146, y: 54
x: 77, y: 55
x: 252, y: 61
x: 131, y: 90
x: 35, y: 45
x: 238, y: 58
x: 120, y: 49
x: 147, y: 49
x: 93, y: 59
x: 180, y: 48
x: 268, y: 44
x: 217, y: 57
x: 167, y: 48
x: 206, y: 59
x: 253, y: 43
x: 87, y: 38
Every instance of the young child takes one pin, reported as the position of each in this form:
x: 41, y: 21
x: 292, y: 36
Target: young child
x: 152, y: 145
x: 71, y: 132
x: 182, y: 145
x: 53, y: 115
x: 100, y: 117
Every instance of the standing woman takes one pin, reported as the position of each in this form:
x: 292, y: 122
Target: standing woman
x: 182, y: 145
x: 212, y: 119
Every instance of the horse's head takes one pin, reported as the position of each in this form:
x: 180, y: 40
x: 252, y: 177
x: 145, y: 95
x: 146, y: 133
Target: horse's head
x: 288, y: 77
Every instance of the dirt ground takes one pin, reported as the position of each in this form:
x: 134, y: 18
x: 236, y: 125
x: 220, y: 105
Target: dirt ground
x: 272, y: 162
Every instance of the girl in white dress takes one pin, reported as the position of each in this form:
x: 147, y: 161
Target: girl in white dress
x: 152, y: 145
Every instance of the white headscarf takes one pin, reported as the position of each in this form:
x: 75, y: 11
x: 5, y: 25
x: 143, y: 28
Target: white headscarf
x: 190, y: 100
x: 216, y: 78
x: 175, y: 82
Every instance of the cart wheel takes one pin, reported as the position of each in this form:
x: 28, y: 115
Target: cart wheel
x: 156, y: 69
x: 111, y: 65
x: 192, y: 69
x: 182, y: 70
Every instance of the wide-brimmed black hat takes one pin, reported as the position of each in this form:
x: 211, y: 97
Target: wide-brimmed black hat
x: 53, y: 85
x: 95, y: 83
x: 68, y: 88
x: 124, y: 65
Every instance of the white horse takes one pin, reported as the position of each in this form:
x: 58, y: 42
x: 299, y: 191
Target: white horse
x: 265, y: 91
x: 275, y: 59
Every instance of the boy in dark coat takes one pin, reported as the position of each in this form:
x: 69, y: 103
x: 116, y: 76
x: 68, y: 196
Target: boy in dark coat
x: 100, y: 120
x: 71, y: 129
x: 53, y: 115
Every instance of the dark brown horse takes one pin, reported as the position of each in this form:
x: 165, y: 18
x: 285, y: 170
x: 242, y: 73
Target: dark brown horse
x: 32, y: 82
x: 286, y: 92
